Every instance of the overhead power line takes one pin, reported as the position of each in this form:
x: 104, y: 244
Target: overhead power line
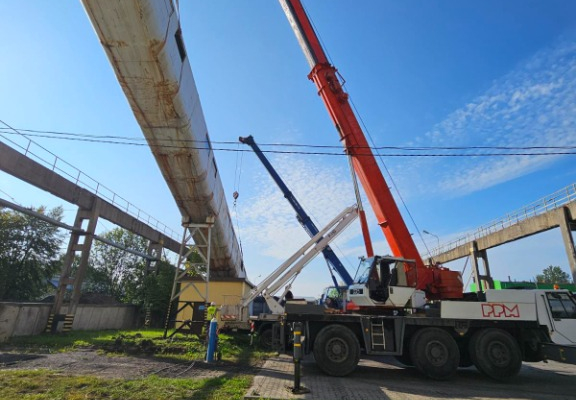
x: 418, y: 151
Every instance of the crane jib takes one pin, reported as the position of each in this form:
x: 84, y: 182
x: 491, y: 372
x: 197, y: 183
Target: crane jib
x: 437, y: 282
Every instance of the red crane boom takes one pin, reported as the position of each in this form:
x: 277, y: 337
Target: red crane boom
x: 438, y: 282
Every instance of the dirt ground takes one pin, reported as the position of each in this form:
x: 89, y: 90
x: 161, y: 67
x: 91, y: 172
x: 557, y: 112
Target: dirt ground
x: 90, y: 362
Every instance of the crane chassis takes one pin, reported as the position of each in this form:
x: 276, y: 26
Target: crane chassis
x: 495, y: 335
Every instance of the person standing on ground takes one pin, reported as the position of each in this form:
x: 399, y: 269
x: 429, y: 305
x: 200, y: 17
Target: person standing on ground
x: 212, y: 312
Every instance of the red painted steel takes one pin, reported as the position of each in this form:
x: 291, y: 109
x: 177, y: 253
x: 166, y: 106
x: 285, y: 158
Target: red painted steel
x: 436, y: 281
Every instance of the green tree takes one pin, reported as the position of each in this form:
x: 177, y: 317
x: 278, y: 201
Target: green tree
x: 117, y: 272
x: 29, y: 253
x: 157, y: 291
x: 553, y: 274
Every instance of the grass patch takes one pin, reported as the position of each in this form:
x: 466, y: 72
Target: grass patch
x: 44, y: 385
x: 233, y: 347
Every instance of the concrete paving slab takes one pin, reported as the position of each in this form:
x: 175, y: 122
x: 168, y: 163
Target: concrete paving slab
x: 385, y: 378
x: 276, y: 380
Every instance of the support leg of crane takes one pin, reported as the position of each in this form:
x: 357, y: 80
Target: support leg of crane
x: 297, y: 388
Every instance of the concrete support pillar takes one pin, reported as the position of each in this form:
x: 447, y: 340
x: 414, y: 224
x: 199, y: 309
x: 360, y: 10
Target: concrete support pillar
x: 68, y: 277
x: 483, y: 281
x: 488, y: 282
x: 567, y: 226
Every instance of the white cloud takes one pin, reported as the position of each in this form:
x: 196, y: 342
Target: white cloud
x: 533, y: 105
x: 268, y: 219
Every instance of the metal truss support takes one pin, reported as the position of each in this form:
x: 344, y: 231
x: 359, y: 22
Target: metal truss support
x: 483, y: 281
x: 80, y: 242
x: 154, y: 255
x: 193, y: 261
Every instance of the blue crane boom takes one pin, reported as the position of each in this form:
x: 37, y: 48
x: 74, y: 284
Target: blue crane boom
x: 301, y: 215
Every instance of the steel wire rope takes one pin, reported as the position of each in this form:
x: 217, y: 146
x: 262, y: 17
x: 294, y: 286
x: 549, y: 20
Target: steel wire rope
x: 235, y: 195
x: 11, y: 198
x: 380, y: 158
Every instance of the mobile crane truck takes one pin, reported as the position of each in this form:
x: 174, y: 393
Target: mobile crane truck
x: 401, y: 307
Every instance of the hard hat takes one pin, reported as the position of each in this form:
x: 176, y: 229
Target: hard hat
x: 212, y: 304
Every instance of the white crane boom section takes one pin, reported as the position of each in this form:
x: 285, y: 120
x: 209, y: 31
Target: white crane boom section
x: 290, y: 269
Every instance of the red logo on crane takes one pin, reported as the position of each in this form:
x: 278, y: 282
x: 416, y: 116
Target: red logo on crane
x: 495, y: 310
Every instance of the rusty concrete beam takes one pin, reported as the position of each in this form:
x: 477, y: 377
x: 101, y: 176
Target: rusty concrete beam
x: 540, y: 223
x: 28, y: 170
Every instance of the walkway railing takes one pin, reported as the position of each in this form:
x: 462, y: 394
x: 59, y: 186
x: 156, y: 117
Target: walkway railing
x: 545, y: 204
x: 48, y: 159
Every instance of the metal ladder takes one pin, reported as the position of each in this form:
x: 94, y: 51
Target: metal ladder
x: 377, y: 334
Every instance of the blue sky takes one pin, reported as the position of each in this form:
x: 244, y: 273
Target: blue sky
x: 434, y: 73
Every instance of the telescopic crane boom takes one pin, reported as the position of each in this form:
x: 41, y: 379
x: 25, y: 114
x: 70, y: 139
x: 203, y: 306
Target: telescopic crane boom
x: 301, y: 214
x: 437, y: 282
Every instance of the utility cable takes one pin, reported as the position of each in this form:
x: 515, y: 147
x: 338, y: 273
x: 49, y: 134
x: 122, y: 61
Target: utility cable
x: 321, y: 153
x: 141, y: 141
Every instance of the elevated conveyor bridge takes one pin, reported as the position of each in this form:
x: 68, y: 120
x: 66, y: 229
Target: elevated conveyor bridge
x: 557, y: 210
x: 144, y: 43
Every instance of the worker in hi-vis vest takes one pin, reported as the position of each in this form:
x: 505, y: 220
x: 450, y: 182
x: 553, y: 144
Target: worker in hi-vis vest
x: 212, y: 312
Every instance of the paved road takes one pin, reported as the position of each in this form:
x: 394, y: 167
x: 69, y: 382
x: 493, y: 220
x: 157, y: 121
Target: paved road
x: 384, y: 378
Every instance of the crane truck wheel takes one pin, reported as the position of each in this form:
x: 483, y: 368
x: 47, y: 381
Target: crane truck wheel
x: 496, y: 353
x: 435, y: 353
x: 336, y: 350
x: 265, y: 338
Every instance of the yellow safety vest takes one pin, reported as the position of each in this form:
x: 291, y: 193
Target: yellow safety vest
x: 211, y: 312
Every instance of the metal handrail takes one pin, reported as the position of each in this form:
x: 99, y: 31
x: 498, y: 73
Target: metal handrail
x: 68, y: 171
x: 539, y: 207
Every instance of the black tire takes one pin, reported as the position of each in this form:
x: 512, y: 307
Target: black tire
x: 336, y: 350
x: 496, y: 354
x: 265, y: 339
x: 435, y: 353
